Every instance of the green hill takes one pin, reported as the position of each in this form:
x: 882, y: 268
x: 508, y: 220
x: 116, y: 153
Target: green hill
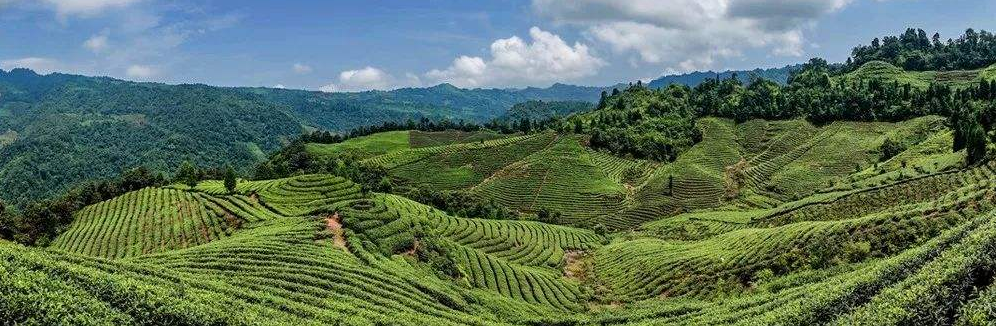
x: 312, y: 244
x: 317, y: 249
x: 756, y: 164
x: 855, y: 194
x: 885, y: 72
x: 58, y: 130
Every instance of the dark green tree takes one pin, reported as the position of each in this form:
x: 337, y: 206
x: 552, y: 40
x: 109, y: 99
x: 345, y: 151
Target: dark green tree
x: 670, y: 184
x: 975, y: 140
x: 188, y: 174
x: 229, y: 179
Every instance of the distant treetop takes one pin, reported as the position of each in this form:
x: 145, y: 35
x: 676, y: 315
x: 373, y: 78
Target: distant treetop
x: 914, y: 50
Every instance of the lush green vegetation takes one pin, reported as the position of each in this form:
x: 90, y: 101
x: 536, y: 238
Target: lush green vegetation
x: 57, y: 130
x: 540, y: 110
x: 912, y: 50
x: 845, y: 197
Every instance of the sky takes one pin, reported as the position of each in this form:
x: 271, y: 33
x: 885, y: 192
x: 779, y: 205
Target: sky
x: 347, y: 45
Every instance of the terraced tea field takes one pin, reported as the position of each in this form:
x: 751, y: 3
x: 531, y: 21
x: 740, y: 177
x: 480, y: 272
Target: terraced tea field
x: 756, y: 164
x: 760, y: 223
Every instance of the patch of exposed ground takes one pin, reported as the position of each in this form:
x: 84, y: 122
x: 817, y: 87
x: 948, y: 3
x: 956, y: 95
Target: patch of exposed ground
x: 333, y: 224
x: 577, y: 265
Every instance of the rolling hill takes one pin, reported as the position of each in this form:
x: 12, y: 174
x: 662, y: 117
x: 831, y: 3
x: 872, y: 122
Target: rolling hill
x: 58, y: 130
x: 855, y: 194
x: 886, y: 72
x: 853, y: 240
x: 96, y: 127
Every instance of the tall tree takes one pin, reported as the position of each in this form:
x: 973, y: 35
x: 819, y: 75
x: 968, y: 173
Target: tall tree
x: 229, y: 179
x: 188, y: 174
x: 975, y: 139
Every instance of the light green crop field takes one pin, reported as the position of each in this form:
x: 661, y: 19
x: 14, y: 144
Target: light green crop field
x: 732, y: 232
x: 886, y: 72
x: 755, y: 164
x: 373, y: 145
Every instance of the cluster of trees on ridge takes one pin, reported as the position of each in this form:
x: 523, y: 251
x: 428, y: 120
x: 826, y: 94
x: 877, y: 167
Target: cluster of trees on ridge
x: 912, y: 50
x: 659, y: 124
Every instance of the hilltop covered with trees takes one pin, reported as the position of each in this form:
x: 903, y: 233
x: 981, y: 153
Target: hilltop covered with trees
x: 913, y: 50
x: 658, y: 124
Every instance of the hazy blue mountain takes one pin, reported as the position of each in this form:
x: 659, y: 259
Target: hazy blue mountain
x: 779, y: 75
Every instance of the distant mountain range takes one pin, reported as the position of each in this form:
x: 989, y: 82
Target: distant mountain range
x: 779, y: 75
x: 58, y: 129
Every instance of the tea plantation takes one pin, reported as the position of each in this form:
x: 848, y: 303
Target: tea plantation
x: 760, y: 223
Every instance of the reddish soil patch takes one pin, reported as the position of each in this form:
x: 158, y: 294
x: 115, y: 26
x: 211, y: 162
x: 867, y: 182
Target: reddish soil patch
x: 334, y: 224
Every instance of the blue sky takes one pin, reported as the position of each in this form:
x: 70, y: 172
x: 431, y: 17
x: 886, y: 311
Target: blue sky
x: 347, y: 45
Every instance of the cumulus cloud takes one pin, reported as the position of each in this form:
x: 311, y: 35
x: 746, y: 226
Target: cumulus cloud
x: 687, y: 35
x: 515, y: 62
x: 39, y: 65
x: 141, y: 71
x: 301, y: 68
x: 96, y: 43
x: 367, y: 78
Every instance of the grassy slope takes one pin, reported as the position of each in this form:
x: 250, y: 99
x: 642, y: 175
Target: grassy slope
x: 886, y: 72
x: 784, y: 160
x: 988, y: 73
x: 272, y: 248
x: 369, y: 146
x: 511, y: 269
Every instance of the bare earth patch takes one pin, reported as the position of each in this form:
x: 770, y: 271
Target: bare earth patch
x: 334, y: 224
x: 575, y: 265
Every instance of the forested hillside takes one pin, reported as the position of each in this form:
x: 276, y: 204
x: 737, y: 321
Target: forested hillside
x: 61, y: 129
x: 544, y: 110
x: 67, y: 129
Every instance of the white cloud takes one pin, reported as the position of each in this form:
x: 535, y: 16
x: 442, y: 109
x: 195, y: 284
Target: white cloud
x: 687, y: 35
x: 39, y: 65
x: 280, y: 86
x: 86, y: 7
x: 367, y: 78
x: 301, y: 68
x: 517, y: 63
x: 96, y: 43
x: 141, y: 71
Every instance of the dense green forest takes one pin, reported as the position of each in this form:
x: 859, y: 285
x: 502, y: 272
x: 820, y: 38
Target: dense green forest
x: 914, y: 51
x: 545, y: 110
x: 73, y: 128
